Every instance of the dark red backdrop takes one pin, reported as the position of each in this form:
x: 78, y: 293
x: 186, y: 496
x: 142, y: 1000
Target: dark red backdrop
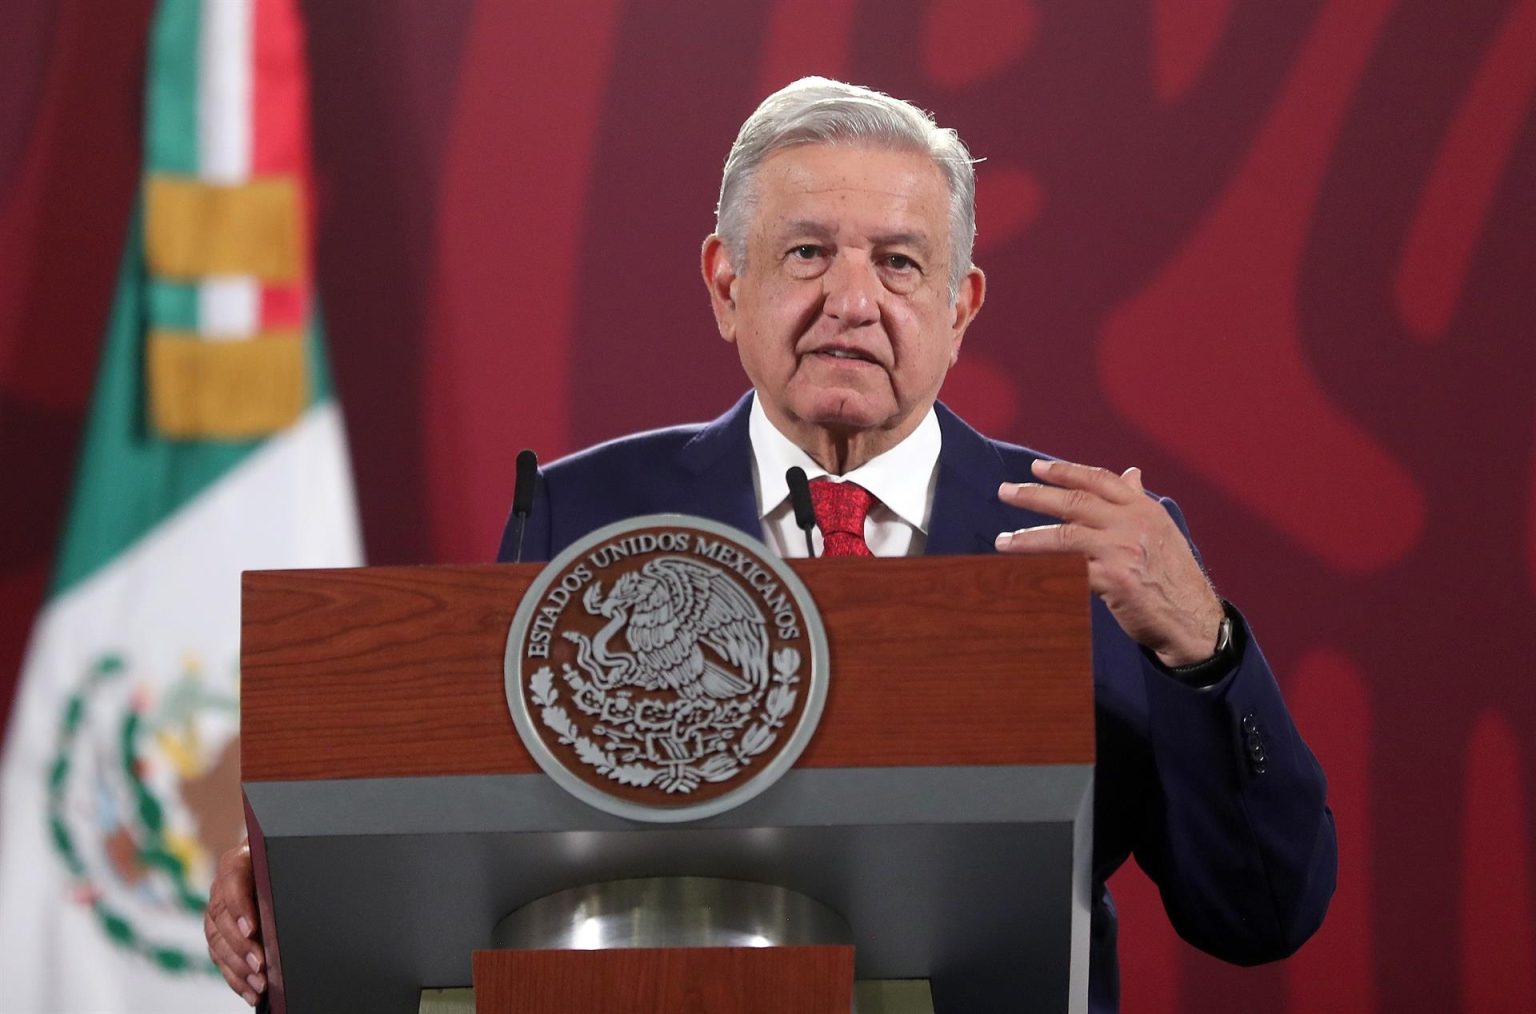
x: 1282, y: 256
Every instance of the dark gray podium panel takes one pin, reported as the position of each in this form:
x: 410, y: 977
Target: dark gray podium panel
x: 975, y: 878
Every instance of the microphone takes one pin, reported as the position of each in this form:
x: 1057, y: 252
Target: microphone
x: 800, y: 499
x: 522, y: 494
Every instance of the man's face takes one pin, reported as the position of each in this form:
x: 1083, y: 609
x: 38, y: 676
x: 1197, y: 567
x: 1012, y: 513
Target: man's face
x: 842, y: 317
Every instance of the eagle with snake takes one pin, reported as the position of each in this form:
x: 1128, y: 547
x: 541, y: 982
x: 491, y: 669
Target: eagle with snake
x: 688, y: 626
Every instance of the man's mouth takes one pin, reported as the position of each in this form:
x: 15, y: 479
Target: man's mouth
x: 848, y: 354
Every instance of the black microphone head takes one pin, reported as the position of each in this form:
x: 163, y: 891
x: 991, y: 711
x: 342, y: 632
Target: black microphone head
x: 527, y: 479
x: 800, y: 498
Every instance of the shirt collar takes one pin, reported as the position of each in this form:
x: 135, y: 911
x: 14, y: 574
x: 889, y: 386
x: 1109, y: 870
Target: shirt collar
x: 901, y: 478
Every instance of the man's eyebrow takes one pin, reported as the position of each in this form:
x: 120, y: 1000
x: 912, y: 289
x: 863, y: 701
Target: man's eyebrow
x: 916, y: 240
x: 819, y: 230
x: 806, y: 227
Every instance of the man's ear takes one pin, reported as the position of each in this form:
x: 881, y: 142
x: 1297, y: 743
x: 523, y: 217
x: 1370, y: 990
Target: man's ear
x: 720, y: 278
x: 968, y: 299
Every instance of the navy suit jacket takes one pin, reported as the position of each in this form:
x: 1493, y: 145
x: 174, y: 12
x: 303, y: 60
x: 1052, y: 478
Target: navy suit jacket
x: 1211, y: 789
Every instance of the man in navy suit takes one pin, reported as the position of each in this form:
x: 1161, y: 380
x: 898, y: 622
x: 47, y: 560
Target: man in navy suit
x: 841, y: 271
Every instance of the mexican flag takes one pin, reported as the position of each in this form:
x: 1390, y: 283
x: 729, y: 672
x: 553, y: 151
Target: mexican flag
x: 214, y: 445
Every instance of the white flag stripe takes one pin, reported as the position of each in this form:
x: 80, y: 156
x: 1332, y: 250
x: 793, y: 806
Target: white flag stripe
x: 228, y: 307
x: 168, y: 606
x: 224, y: 91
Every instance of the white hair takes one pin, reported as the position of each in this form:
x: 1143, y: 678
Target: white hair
x: 816, y: 110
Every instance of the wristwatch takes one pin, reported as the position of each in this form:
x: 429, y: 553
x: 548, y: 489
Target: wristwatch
x: 1221, y: 661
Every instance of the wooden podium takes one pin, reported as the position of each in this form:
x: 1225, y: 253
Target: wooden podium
x: 943, y: 808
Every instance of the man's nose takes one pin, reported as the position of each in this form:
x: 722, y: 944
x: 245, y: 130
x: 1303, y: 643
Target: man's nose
x: 853, y: 292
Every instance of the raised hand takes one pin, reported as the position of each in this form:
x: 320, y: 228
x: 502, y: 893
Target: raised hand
x: 1139, y: 562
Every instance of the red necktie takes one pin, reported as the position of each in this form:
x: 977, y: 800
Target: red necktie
x: 841, y: 508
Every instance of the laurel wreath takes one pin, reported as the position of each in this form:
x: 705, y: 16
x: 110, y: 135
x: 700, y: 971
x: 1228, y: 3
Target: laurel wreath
x: 682, y: 776
x: 151, y: 827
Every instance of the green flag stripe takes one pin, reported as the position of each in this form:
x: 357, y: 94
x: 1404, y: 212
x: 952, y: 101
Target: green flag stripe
x: 315, y: 358
x: 171, y: 305
x: 171, y: 96
x: 128, y: 478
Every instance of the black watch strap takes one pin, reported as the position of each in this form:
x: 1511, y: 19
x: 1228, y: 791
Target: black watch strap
x: 1223, y: 660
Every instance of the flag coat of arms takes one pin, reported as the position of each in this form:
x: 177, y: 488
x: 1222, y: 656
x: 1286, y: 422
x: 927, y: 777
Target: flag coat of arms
x: 213, y: 445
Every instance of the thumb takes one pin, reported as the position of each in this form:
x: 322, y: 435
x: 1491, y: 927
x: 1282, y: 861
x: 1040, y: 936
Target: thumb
x: 1132, y: 475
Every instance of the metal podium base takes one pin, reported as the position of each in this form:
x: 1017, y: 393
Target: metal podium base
x: 671, y: 912
x: 684, y: 912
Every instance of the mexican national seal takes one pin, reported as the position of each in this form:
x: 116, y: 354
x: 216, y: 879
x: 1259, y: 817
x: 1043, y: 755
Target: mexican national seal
x: 666, y: 668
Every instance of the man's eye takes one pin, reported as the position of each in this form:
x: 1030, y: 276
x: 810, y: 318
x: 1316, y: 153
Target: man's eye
x: 806, y: 252
x: 901, y: 262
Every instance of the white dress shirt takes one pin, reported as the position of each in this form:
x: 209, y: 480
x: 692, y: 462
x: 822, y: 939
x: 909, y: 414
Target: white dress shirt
x: 902, y: 479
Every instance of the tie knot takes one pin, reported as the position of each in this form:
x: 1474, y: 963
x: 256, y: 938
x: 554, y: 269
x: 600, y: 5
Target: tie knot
x: 841, y: 508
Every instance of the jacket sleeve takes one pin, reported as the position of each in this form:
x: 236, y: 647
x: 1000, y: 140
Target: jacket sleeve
x: 1233, y: 823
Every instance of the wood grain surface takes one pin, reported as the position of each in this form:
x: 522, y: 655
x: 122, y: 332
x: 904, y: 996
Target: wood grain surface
x: 397, y: 671
x: 682, y: 980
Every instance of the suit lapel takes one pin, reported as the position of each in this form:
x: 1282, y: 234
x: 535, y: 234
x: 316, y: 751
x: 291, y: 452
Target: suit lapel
x: 716, y: 470
x: 967, y: 515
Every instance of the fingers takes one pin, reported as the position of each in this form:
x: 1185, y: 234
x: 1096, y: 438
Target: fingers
x: 1041, y: 539
x: 1100, y: 482
x: 1093, y: 545
x: 232, y: 965
x: 1094, y: 497
x: 1117, y: 565
x: 231, y: 925
x: 1074, y: 505
x: 1110, y: 564
x: 232, y: 908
